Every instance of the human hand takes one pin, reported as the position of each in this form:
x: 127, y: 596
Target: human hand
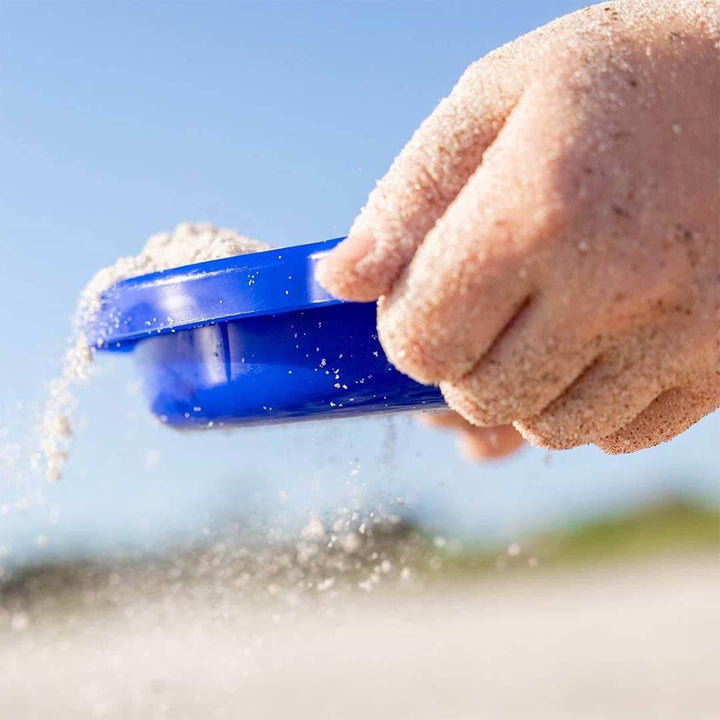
x: 546, y: 248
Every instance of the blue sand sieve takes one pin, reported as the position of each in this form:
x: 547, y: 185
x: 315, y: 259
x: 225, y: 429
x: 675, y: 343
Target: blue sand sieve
x: 252, y: 339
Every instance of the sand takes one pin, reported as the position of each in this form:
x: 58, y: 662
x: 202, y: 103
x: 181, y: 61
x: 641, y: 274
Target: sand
x: 189, y: 243
x: 634, y: 641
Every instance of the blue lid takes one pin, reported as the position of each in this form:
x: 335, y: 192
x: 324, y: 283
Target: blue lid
x: 264, y: 283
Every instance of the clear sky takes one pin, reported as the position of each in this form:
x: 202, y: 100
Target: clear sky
x: 118, y: 120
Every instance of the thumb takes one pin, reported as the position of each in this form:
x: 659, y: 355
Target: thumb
x: 421, y: 183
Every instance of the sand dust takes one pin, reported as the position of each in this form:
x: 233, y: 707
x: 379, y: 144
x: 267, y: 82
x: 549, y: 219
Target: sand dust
x: 189, y: 243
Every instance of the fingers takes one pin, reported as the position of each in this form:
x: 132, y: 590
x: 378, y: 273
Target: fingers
x: 437, y: 323
x: 528, y: 366
x: 670, y: 414
x: 422, y: 182
x: 443, y: 419
x: 478, y: 266
x: 476, y: 443
x: 606, y: 397
x: 489, y: 443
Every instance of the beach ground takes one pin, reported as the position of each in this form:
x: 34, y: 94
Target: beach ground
x: 613, y: 641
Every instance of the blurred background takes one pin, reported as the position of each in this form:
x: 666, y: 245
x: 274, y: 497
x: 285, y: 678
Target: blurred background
x: 361, y: 566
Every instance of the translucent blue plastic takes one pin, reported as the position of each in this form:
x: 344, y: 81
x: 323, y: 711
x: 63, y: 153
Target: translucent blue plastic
x: 252, y: 339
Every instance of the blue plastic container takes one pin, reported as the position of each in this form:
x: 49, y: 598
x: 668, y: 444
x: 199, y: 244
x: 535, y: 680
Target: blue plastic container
x: 253, y: 339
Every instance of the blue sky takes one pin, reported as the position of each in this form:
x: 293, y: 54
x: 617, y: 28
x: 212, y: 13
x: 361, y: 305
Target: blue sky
x: 122, y: 119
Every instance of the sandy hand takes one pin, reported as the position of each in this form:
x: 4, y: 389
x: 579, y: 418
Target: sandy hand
x: 546, y: 248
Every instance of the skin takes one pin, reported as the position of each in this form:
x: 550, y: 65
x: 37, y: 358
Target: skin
x: 476, y: 443
x: 546, y: 248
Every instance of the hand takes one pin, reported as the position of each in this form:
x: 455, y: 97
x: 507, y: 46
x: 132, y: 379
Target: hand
x: 476, y: 443
x: 546, y: 248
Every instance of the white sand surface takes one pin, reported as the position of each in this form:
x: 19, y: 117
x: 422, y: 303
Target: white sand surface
x: 633, y: 641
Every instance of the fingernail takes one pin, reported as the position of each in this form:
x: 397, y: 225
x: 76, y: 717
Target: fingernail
x: 354, y: 248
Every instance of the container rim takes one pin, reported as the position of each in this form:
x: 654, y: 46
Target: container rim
x: 264, y: 283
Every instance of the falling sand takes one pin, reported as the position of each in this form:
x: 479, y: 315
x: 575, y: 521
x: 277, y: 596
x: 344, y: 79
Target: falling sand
x: 189, y: 243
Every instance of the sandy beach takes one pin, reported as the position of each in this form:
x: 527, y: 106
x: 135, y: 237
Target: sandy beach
x: 614, y: 641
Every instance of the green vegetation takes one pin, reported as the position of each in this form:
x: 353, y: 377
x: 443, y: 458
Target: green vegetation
x: 670, y: 526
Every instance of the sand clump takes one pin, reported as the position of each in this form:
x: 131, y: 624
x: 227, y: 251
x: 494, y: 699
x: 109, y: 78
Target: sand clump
x: 189, y: 243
